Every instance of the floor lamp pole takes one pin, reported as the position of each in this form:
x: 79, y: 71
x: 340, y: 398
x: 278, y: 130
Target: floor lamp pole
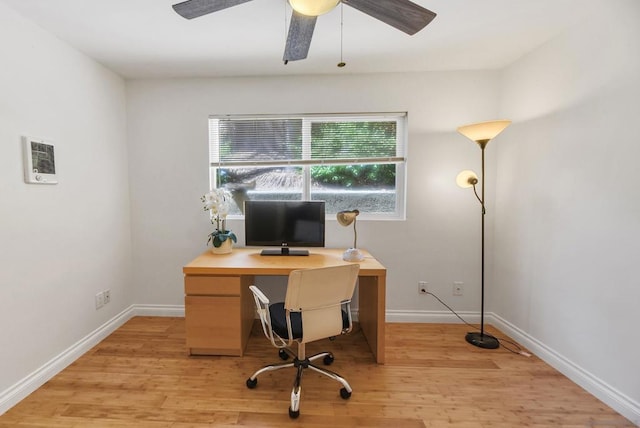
x: 480, y: 339
x: 482, y: 252
x: 481, y: 133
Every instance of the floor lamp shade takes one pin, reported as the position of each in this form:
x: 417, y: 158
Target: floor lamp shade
x: 466, y: 179
x: 481, y: 133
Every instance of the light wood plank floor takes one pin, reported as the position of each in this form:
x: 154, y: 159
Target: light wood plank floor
x: 140, y: 376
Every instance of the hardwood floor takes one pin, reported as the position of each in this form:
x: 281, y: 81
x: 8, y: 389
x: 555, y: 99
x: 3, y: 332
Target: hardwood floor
x: 140, y: 376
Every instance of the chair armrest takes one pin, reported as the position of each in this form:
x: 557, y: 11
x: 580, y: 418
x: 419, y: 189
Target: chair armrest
x: 264, y: 301
x: 346, y: 307
x: 262, y: 308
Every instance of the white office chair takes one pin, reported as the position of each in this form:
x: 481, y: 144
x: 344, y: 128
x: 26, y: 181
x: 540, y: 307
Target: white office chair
x: 316, y: 306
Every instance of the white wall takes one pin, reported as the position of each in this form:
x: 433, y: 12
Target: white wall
x: 59, y: 244
x: 565, y: 209
x: 168, y: 134
x: 551, y: 280
x: 567, y: 222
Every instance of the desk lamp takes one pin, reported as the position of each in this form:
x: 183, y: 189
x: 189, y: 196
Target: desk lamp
x: 345, y: 218
x: 481, y: 133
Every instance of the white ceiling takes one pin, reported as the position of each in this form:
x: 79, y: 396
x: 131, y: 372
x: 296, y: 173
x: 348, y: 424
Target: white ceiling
x: 146, y: 38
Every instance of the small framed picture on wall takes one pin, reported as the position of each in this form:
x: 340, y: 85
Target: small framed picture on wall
x: 39, y: 161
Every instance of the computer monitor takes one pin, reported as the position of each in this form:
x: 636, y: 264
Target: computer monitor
x: 284, y: 224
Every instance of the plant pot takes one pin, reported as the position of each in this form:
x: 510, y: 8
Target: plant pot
x: 225, y: 248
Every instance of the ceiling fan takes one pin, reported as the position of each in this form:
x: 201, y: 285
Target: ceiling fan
x: 404, y: 15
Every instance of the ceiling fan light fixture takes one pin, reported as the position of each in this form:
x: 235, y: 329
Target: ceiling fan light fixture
x: 313, y: 7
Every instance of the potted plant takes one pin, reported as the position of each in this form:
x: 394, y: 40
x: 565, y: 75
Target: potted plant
x: 218, y: 202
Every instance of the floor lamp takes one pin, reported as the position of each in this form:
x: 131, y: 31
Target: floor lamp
x: 481, y: 133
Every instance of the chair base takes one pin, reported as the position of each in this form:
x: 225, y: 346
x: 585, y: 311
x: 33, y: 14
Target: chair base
x: 301, y: 365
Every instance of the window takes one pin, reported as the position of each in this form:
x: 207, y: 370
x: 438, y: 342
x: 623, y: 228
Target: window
x: 349, y: 161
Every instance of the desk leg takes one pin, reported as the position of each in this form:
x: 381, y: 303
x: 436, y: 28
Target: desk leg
x: 371, y: 313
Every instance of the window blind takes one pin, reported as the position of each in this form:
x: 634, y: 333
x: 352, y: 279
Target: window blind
x: 256, y: 141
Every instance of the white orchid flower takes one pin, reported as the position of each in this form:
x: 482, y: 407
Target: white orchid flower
x: 218, y: 203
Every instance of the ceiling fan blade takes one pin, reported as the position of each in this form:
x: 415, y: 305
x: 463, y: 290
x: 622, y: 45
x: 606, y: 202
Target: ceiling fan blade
x: 402, y: 14
x: 194, y: 8
x: 299, y: 37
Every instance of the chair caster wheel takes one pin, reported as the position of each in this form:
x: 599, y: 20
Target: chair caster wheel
x: 283, y: 355
x: 292, y: 414
x: 328, y: 359
x: 345, y: 394
x: 252, y: 383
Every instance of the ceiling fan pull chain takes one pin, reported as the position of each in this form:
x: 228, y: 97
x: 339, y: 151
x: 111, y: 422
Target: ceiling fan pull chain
x: 341, y: 63
x: 286, y: 61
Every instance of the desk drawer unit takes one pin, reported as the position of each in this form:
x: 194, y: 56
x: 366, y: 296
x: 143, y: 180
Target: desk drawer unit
x: 218, y: 310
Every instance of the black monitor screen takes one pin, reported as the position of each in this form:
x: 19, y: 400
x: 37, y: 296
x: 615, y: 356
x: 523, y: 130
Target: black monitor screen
x: 284, y: 224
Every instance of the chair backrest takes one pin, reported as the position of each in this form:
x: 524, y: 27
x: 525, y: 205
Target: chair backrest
x: 318, y: 294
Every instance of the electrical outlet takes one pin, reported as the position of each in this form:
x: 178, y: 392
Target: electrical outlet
x: 107, y: 296
x: 422, y: 287
x: 458, y: 288
x: 99, y: 300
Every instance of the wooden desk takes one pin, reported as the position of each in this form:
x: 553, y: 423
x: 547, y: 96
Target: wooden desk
x: 219, y: 308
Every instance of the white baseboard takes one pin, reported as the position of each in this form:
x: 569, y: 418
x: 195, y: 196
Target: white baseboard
x: 159, y: 311
x: 618, y: 401
x: 14, y: 394
x: 434, y: 317
x: 615, y: 399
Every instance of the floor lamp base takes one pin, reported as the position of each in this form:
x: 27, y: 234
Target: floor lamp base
x: 482, y: 340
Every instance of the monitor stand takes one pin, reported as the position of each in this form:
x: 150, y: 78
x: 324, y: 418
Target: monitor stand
x: 284, y: 251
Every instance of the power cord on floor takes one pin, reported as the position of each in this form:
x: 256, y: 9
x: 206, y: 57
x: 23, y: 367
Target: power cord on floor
x: 516, y: 348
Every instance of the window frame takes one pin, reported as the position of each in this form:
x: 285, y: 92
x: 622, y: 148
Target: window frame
x: 400, y: 160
